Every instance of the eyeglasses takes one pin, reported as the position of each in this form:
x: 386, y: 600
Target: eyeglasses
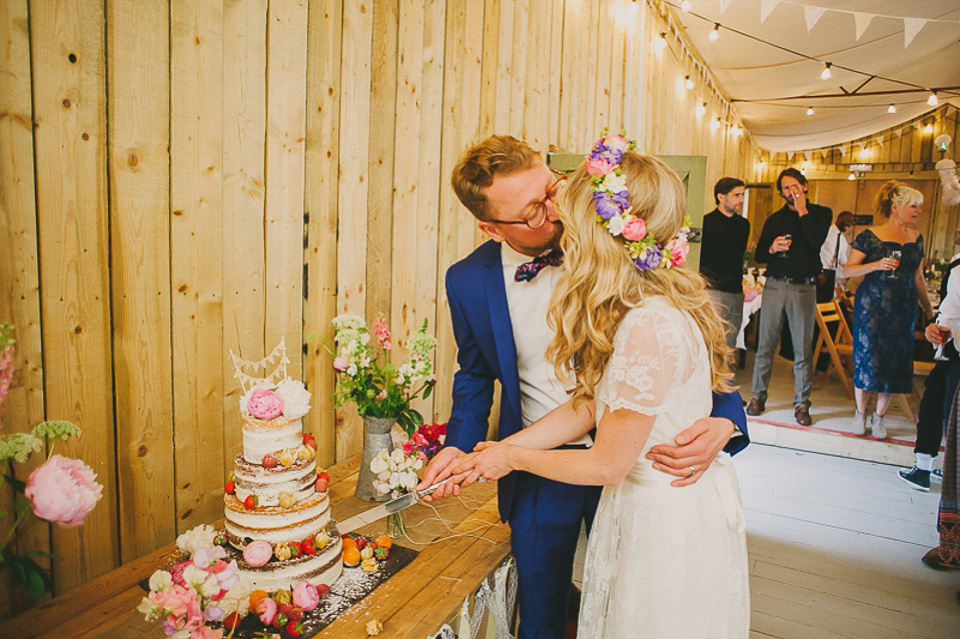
x: 538, y: 212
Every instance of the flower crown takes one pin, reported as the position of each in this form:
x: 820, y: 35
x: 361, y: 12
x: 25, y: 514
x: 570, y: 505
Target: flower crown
x: 612, y: 200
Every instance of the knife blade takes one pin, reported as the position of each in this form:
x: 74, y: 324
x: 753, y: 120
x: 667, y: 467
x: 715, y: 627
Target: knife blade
x: 387, y: 508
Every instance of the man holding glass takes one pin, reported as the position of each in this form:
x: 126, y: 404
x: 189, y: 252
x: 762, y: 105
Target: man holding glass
x: 789, y: 245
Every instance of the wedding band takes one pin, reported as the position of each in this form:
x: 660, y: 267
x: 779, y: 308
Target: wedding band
x: 693, y: 471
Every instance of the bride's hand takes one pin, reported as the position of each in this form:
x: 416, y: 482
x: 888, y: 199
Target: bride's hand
x: 492, y: 461
x: 697, y: 447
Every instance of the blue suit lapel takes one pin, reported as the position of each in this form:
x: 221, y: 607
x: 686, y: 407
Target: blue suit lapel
x: 503, y: 332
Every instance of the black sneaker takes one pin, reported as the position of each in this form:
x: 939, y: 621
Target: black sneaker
x: 937, y: 474
x: 918, y: 479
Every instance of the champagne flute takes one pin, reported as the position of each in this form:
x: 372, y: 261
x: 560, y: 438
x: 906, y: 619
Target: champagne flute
x: 894, y: 255
x: 789, y: 238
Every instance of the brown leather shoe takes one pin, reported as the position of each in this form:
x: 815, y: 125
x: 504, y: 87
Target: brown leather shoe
x: 756, y: 406
x: 802, y: 414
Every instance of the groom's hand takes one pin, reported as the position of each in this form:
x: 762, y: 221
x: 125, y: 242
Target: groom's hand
x: 439, y: 468
x: 696, y: 449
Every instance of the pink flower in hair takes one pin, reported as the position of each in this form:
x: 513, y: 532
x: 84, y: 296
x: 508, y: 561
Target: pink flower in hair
x: 679, y: 249
x: 635, y: 229
x: 598, y: 166
x: 616, y: 142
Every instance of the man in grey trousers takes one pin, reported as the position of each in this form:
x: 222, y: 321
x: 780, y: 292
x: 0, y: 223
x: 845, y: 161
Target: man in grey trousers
x: 790, y: 246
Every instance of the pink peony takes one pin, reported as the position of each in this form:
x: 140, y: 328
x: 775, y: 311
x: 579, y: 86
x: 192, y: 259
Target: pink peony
x: 598, y: 166
x: 265, y: 404
x: 267, y: 609
x: 305, y: 596
x: 635, y: 229
x: 341, y: 364
x: 63, y: 490
x: 176, y: 572
x: 678, y: 252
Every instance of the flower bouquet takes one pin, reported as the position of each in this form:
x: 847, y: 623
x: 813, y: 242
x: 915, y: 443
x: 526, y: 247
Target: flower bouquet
x: 377, y: 387
x: 61, y: 490
x: 396, y: 472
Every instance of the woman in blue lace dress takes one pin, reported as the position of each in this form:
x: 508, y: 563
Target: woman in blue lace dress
x: 890, y: 257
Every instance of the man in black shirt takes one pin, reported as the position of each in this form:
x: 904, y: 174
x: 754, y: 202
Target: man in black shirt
x: 725, y: 234
x: 790, y: 246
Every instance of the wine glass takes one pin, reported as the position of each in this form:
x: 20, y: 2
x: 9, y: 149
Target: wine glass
x: 789, y: 238
x: 894, y: 255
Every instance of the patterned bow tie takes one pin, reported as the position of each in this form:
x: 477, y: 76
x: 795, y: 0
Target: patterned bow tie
x: 529, y: 270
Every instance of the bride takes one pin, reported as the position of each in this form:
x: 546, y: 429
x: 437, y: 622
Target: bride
x: 647, y: 348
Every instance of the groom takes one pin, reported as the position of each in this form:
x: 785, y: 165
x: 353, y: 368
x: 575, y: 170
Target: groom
x: 499, y: 296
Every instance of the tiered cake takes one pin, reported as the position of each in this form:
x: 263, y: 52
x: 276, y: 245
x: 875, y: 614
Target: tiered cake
x: 277, y: 509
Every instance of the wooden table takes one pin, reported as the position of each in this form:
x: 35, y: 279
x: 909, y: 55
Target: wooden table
x: 413, y: 603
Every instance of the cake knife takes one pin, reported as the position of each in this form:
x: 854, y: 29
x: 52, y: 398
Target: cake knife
x: 387, y: 508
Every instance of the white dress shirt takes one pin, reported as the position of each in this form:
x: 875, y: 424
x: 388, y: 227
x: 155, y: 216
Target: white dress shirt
x: 949, y: 312
x: 828, y: 251
x: 540, y: 389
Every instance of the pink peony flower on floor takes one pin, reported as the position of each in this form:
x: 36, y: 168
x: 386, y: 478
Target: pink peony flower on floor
x: 63, y: 490
x: 265, y: 404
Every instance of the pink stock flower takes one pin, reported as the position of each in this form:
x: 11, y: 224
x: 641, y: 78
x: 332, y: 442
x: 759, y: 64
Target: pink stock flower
x: 63, y: 490
x: 341, y: 364
x: 382, y: 331
x: 6, y: 372
x: 265, y: 404
x: 598, y: 166
x: 382, y: 394
x: 678, y: 252
x: 635, y: 229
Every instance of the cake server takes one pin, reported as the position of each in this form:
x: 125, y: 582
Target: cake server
x: 386, y: 508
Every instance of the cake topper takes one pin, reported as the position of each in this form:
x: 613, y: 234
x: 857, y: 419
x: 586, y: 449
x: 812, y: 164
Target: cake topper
x: 277, y: 357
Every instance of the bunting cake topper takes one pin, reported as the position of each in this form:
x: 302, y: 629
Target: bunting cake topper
x: 245, y: 370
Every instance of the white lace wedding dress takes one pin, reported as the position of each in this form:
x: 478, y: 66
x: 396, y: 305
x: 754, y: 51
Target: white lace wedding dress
x: 662, y: 561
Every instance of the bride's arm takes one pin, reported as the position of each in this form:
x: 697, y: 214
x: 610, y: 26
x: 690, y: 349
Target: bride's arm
x: 621, y: 436
x: 561, y: 425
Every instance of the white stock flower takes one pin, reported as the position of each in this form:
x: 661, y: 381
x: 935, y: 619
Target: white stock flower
x: 379, y: 463
x: 421, y: 343
x: 615, y: 225
x: 352, y: 370
x: 347, y: 321
x: 160, y: 580
x: 396, y: 457
x: 408, y: 480
x: 196, y: 538
x: 614, y: 183
x: 204, y: 582
x: 296, y: 398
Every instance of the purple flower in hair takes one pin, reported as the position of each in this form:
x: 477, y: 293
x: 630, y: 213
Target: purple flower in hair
x: 649, y: 259
x: 607, y: 207
x: 622, y: 199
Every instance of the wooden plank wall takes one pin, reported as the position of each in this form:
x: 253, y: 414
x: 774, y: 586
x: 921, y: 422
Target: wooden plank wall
x: 905, y: 152
x: 183, y: 179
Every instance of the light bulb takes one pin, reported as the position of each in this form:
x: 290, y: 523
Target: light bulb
x: 761, y: 164
x: 662, y: 41
x: 851, y: 176
x: 932, y: 100
x: 688, y: 83
x: 736, y: 131
x: 891, y: 109
x: 701, y: 109
x: 809, y: 110
x: 928, y: 129
x: 685, y: 5
x: 715, y: 124
x: 715, y: 34
x: 825, y: 74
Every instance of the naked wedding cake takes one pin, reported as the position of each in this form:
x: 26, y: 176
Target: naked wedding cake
x: 277, y: 508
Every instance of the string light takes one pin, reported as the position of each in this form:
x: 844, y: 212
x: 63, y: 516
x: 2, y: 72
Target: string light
x: 688, y: 83
x: 932, y: 100
x: 715, y: 34
x: 685, y: 5
x: 761, y: 164
x: 928, y: 129
x: 715, y: 124
x: 852, y: 176
x: 809, y: 110
x: 891, y: 109
x: 662, y: 41
x: 701, y: 109
x: 825, y: 74
x: 736, y: 131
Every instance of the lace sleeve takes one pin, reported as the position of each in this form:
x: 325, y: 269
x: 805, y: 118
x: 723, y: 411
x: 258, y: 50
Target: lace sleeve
x: 649, y: 359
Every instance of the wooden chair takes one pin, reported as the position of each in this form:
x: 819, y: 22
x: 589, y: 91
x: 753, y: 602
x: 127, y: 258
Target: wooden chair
x: 841, y: 344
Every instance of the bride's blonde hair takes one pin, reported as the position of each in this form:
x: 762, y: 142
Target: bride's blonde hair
x: 600, y: 282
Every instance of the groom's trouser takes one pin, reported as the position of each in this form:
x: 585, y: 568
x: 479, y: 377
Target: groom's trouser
x: 545, y: 524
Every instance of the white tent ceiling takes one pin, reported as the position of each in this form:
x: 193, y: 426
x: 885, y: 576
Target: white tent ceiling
x: 763, y: 80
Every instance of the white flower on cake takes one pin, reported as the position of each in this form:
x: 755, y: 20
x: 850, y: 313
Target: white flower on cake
x: 296, y: 398
x: 196, y: 538
x: 202, y: 581
x: 160, y: 580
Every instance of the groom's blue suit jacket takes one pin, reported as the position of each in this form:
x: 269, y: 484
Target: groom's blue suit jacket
x: 486, y: 352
